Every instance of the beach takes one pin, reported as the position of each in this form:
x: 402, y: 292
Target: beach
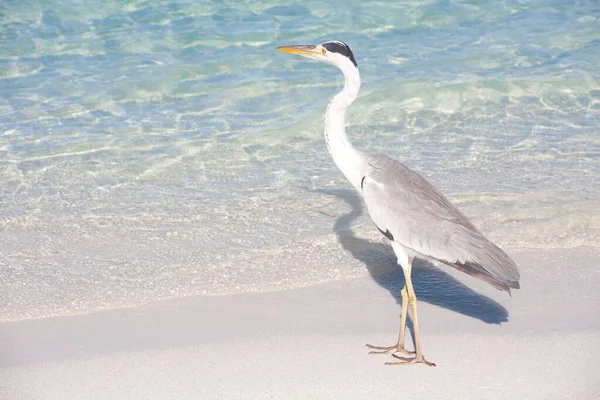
x: 172, y: 225
x: 309, y: 343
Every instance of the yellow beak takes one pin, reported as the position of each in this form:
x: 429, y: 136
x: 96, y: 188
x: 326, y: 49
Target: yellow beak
x: 305, y: 50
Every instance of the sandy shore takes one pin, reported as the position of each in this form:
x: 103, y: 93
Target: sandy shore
x: 542, y: 343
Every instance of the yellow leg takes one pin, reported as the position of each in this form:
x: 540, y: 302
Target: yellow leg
x: 404, y: 295
x: 399, y: 346
x: 412, y: 301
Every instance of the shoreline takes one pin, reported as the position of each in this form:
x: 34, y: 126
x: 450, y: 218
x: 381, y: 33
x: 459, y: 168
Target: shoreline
x: 309, y: 342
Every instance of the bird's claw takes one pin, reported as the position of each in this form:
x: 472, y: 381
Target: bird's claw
x: 410, y: 361
x: 389, y: 350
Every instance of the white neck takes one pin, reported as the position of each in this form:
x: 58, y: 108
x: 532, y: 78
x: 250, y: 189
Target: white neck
x: 346, y: 157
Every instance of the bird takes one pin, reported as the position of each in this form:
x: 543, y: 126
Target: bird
x: 416, y: 218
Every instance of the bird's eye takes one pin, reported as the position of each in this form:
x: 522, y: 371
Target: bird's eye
x: 323, y: 51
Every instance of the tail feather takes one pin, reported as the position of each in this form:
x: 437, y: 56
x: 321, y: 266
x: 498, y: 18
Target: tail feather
x: 478, y: 271
x: 484, y: 260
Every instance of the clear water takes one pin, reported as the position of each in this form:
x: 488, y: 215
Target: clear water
x: 157, y: 149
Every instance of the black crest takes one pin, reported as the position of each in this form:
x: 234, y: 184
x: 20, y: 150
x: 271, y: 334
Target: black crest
x: 342, y: 48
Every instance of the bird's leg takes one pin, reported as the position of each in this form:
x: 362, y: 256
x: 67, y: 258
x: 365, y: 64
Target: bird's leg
x: 418, y: 358
x: 399, y: 346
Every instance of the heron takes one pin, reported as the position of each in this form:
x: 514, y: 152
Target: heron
x: 416, y: 218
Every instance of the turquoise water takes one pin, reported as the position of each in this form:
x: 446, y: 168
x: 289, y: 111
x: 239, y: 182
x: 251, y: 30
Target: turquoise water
x: 158, y: 149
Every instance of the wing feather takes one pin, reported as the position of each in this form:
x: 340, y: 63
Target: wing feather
x: 408, y: 209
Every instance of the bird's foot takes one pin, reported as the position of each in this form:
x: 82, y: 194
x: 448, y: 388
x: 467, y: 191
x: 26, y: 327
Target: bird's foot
x: 389, y: 350
x: 410, y: 361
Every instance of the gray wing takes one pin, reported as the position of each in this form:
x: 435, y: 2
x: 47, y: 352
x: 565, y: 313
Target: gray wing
x: 409, y: 210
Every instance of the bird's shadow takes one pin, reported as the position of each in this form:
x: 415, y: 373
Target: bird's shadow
x: 431, y: 284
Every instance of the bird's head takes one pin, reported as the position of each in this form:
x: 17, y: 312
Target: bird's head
x: 334, y: 52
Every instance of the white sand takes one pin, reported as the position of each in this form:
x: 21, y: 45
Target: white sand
x: 309, y: 343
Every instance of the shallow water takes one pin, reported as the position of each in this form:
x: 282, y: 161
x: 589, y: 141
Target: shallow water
x: 160, y: 149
